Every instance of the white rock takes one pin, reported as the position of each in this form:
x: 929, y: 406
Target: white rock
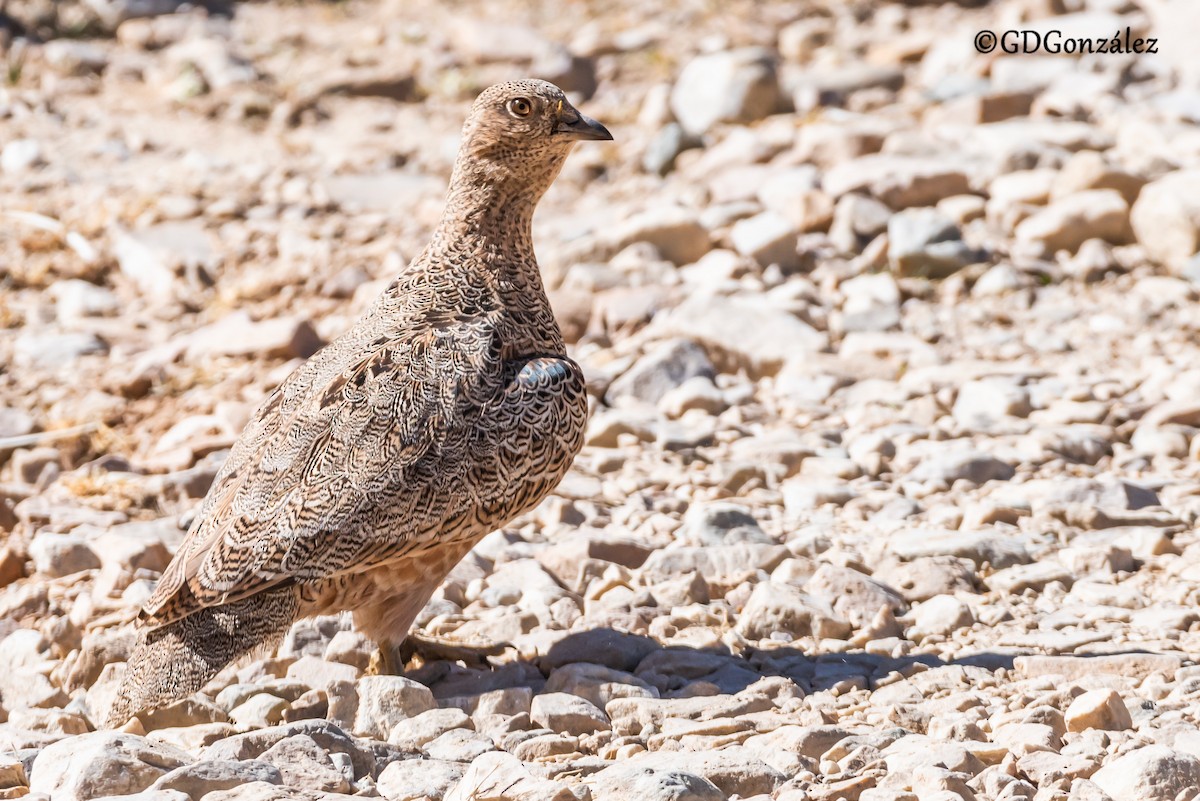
x: 414, y: 733
x: 485, y: 42
x: 817, y: 86
x: 113, y: 12
x: 597, y: 683
x: 857, y: 220
x: 733, y: 770
x: 1098, y: 709
x: 941, y: 614
x: 212, y: 775
x: 145, y: 265
x: 720, y: 523
x: 1090, y: 170
x: 872, y: 302
x: 696, y: 393
x: 384, y: 701
x: 1068, y: 222
x: 983, y: 403
x: 783, y: 609
x: 148, y: 795
x: 75, y: 300
x: 1155, y: 441
x: 75, y: 57
x: 259, y: 711
x: 744, y: 333
x: 1027, y: 187
x: 304, y: 763
x: 102, y: 763
x: 1036, y: 576
x: 804, y: 494
x: 768, y: 238
x: 799, y: 39
x: 853, y: 595
x: 925, y: 242
x: 622, y: 782
x: 500, y: 775
x: 663, y: 368
x: 54, y: 351
x: 674, y: 231
x: 962, y: 208
x: 418, y: 779
x: 349, y: 648
x: 730, y: 86
x: 236, y: 334
x: 992, y: 546
x: 943, y: 468
x: 57, y: 555
x: 1166, y: 217
x: 898, y: 181
x: 568, y: 714
x: 999, y: 280
x: 214, y: 58
x: 1153, y: 773
x: 793, y: 194
x: 20, y: 155
x: 319, y: 673
x: 1023, y: 738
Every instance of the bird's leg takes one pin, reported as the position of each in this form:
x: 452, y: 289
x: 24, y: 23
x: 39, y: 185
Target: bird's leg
x: 432, y: 649
x: 384, y: 661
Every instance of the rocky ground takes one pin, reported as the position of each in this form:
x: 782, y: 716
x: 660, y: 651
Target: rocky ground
x: 891, y: 482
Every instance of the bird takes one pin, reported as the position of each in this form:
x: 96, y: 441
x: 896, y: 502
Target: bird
x: 448, y: 409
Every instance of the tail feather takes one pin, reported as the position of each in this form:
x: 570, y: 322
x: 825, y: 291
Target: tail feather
x: 176, y: 660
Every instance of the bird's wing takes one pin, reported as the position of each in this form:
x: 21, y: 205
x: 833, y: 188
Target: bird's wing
x: 316, y: 455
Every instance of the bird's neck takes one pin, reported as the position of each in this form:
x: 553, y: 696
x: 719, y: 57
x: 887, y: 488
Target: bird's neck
x: 489, y: 227
x: 485, y: 241
x: 489, y: 246
x: 490, y: 203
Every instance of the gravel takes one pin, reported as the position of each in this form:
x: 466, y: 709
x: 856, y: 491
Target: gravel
x: 891, y: 482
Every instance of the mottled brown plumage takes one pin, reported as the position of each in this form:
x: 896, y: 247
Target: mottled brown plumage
x: 447, y: 410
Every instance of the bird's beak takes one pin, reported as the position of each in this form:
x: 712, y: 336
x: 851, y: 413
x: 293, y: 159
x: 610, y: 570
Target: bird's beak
x: 574, y: 125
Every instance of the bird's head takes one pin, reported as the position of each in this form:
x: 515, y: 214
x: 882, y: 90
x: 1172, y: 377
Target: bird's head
x: 518, y: 135
x: 528, y: 115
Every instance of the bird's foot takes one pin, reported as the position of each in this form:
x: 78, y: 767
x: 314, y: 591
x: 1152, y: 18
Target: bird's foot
x: 385, y: 661
x: 432, y: 649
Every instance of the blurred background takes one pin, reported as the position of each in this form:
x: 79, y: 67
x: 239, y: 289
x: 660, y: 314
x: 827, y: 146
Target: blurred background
x: 843, y: 283
x: 191, y: 189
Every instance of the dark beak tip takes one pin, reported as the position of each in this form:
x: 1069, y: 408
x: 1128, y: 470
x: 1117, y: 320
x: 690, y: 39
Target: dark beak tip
x: 585, y: 128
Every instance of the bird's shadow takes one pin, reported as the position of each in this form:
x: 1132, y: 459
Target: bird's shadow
x: 682, y: 671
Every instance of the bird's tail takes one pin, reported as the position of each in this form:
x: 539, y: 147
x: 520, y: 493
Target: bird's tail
x: 176, y: 660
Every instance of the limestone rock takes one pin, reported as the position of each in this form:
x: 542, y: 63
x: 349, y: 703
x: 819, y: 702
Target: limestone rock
x: 1166, y: 217
x: 854, y: 596
x: 384, y: 701
x: 1070, y: 221
x: 622, y: 782
x: 1098, y: 709
x: 102, y: 763
x: 782, y: 609
x: 898, y: 181
x: 208, y: 776
x: 730, y: 86
x: 419, y: 779
x: 662, y: 369
x: 570, y: 714
x: 1153, y: 773
x: 740, y: 334
x: 925, y: 243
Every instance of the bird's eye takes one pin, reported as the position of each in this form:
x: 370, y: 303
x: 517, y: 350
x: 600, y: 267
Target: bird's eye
x: 520, y: 107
